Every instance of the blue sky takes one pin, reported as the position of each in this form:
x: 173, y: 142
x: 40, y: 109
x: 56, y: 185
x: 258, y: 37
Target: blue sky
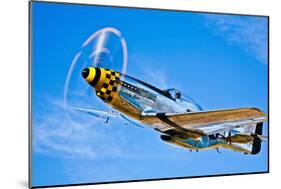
x: 219, y: 60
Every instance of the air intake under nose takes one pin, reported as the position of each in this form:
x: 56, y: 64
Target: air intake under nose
x: 166, y: 137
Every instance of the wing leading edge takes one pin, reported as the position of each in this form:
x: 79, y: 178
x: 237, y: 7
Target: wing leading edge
x: 207, y: 122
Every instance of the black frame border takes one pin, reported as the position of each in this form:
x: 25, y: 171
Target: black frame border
x: 139, y: 180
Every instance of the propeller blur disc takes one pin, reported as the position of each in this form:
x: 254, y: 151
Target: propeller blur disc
x: 105, y: 48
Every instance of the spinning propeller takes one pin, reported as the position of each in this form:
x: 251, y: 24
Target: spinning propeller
x: 105, y: 48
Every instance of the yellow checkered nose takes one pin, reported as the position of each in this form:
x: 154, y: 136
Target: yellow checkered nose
x: 103, y: 80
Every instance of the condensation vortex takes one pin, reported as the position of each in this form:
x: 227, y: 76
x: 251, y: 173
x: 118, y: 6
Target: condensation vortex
x: 100, y: 36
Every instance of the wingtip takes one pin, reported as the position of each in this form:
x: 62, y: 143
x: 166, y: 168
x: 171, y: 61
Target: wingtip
x: 260, y: 112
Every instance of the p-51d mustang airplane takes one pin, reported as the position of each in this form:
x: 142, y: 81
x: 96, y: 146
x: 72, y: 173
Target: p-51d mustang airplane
x: 180, y: 121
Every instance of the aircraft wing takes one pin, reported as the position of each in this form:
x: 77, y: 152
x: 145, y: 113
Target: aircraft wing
x: 98, y: 113
x: 208, y: 122
x: 107, y: 115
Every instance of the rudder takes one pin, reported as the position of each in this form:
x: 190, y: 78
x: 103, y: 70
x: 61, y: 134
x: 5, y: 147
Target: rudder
x: 257, y: 141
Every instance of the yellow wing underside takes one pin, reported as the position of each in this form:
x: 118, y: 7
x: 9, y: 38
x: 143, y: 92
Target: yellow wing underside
x: 205, y: 122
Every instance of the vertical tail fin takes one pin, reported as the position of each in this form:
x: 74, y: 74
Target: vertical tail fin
x: 249, y: 140
x: 257, y: 141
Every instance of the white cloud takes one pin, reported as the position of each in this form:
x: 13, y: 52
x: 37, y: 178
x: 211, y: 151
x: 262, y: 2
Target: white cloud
x: 55, y: 133
x: 247, y: 33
